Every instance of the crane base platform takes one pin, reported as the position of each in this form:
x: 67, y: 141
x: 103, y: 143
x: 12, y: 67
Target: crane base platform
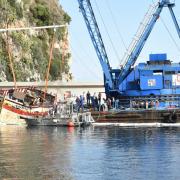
x: 138, y: 116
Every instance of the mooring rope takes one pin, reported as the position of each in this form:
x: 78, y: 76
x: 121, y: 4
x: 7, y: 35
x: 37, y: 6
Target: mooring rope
x: 49, y: 64
x: 10, y: 59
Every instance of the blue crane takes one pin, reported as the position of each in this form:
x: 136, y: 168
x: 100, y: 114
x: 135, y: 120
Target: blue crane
x: 139, y: 44
x: 115, y: 77
x: 92, y: 26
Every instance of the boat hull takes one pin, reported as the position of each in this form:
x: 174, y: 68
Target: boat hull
x: 12, y: 112
x: 82, y: 119
x: 47, y: 121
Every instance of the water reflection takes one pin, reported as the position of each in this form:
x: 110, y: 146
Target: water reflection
x: 91, y: 153
x: 37, y: 152
x: 143, y: 153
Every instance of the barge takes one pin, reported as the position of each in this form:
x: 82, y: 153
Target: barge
x: 168, y: 116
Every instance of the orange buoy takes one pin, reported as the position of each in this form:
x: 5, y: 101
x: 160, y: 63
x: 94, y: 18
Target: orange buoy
x: 70, y: 124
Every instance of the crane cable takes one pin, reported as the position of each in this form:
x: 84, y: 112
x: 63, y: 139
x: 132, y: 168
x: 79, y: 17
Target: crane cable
x: 84, y: 64
x: 49, y: 64
x: 87, y: 53
x: 169, y: 32
x: 115, y: 24
x: 106, y: 29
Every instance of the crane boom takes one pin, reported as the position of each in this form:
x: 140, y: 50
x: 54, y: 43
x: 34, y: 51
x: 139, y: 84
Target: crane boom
x: 92, y: 26
x: 175, y: 20
x: 133, y: 55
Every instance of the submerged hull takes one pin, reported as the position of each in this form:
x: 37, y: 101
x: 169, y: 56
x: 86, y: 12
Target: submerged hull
x: 12, y: 111
x: 48, y: 122
x: 10, y: 118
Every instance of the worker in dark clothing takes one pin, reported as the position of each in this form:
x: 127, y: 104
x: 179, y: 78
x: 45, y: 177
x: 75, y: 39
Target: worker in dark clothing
x: 88, y: 97
x: 77, y: 103
x: 81, y: 103
x: 10, y: 92
x: 96, y: 103
x: 99, y: 98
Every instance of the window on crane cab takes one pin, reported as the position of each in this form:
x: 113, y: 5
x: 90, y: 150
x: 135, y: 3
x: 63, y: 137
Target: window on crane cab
x: 113, y: 76
x: 169, y: 72
x: 157, y: 72
x: 165, y: 62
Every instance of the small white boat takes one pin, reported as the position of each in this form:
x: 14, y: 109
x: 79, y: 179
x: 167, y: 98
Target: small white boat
x: 81, y: 119
x: 65, y: 116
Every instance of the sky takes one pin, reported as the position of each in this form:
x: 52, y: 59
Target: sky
x: 118, y: 22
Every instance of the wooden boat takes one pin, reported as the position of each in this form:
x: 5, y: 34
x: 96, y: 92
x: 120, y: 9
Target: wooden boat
x: 26, y: 102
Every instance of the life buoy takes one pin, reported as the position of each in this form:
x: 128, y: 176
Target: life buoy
x: 70, y: 124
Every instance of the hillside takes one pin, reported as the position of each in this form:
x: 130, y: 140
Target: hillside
x: 29, y: 50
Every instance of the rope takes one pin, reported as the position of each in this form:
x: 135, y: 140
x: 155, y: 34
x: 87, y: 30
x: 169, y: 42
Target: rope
x: 49, y: 64
x: 115, y: 24
x: 85, y: 52
x: 10, y: 60
x: 81, y: 63
x: 31, y: 28
x: 169, y: 32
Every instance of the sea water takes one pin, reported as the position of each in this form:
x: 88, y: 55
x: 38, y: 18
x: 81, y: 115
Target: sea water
x: 93, y: 153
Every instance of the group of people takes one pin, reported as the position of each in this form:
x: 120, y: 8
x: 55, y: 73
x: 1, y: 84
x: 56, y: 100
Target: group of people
x: 95, y: 102
x: 144, y: 104
x: 98, y: 102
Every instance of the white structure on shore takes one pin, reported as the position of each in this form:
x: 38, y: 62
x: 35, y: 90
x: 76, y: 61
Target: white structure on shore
x: 61, y: 88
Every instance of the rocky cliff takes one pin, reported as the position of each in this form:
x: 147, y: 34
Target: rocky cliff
x: 27, y: 52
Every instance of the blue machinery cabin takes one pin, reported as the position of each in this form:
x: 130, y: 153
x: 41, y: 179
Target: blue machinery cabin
x: 158, y: 79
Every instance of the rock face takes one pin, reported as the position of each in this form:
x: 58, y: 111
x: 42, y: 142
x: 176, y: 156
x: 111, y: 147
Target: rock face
x: 28, y: 52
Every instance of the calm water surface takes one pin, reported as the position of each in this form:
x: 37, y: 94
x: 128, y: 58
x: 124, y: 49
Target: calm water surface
x: 98, y: 153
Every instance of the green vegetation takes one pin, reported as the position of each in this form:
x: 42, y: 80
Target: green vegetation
x: 20, y: 40
x: 30, y: 50
x: 41, y: 15
x: 66, y: 18
x: 16, y: 7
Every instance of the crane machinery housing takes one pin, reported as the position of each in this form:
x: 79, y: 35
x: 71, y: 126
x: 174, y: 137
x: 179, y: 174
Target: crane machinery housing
x: 158, y: 78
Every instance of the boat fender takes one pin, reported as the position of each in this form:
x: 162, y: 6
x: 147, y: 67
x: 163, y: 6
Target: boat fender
x: 174, y: 117
x: 70, y: 124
